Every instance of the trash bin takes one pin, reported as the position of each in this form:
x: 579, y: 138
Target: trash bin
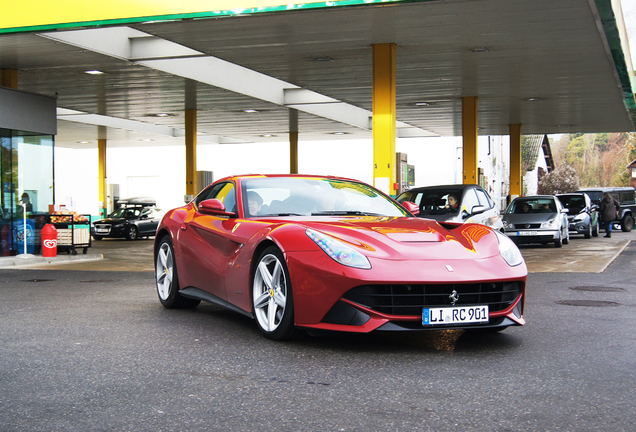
x: 49, y: 240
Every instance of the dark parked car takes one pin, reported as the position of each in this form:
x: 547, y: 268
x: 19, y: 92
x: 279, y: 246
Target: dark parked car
x: 537, y: 219
x: 455, y: 203
x: 583, y: 215
x: 136, y: 218
x: 624, y: 196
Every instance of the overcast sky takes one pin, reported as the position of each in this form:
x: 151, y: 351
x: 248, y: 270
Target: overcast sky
x: 629, y: 13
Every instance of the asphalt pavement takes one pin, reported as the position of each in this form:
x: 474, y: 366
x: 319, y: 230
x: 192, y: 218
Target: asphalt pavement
x: 94, y: 350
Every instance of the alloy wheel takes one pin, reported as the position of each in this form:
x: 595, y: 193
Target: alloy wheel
x: 269, y: 292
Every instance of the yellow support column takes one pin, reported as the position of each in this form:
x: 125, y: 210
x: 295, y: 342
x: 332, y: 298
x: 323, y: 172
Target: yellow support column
x: 191, y: 151
x: 293, y: 141
x: 516, y: 182
x: 9, y: 78
x: 469, y: 133
x: 384, y: 117
x: 101, y: 152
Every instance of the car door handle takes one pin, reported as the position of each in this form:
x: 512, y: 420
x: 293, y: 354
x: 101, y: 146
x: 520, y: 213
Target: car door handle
x: 184, y: 227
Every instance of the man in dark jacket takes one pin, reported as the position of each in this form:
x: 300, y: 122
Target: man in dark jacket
x: 609, y: 212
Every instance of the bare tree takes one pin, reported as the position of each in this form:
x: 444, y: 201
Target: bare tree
x: 563, y: 179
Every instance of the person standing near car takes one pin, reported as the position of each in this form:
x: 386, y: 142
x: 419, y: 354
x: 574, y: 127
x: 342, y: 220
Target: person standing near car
x: 609, y: 212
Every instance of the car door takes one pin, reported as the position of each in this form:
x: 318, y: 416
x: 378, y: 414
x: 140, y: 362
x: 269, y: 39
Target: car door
x: 206, y: 242
x: 147, y: 223
x: 469, y: 200
x: 490, y: 217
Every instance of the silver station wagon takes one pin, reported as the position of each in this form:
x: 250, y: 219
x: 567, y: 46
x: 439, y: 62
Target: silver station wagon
x: 537, y: 219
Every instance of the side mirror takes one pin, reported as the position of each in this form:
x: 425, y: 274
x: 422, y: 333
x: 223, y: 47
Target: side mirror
x: 477, y: 209
x: 594, y: 207
x: 565, y: 210
x: 214, y: 207
x: 411, y: 207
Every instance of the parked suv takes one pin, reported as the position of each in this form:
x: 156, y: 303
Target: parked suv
x: 136, y: 217
x: 624, y: 196
x: 455, y: 203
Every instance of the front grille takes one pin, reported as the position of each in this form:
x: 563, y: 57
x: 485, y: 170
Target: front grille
x: 410, y: 299
x: 103, y: 229
x: 528, y: 226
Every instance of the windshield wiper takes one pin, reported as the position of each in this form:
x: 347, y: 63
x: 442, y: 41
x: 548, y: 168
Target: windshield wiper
x: 281, y: 214
x: 344, y: 213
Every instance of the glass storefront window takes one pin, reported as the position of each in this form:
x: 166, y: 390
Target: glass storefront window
x: 27, y: 177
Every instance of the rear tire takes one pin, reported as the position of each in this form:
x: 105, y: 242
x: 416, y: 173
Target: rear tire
x: 627, y: 223
x: 167, y: 280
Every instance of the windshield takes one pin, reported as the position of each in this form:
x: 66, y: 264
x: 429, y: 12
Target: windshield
x: 575, y: 203
x: 534, y: 205
x: 435, y: 202
x: 125, y: 213
x: 307, y: 196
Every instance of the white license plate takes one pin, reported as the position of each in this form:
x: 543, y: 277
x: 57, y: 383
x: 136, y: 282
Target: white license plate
x: 455, y: 315
x: 102, y: 230
x: 527, y: 233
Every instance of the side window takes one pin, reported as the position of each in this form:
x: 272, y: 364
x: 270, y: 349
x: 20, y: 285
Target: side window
x: 470, y: 200
x: 224, y: 192
x: 208, y: 193
x: 417, y: 199
x: 483, y: 198
x: 227, y: 196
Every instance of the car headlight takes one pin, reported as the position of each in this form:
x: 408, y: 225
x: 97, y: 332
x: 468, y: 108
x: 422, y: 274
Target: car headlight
x: 338, y: 250
x: 552, y: 223
x: 580, y: 217
x: 508, y: 250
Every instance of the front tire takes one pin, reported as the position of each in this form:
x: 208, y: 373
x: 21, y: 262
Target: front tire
x: 558, y: 242
x: 272, y: 298
x: 566, y: 239
x: 167, y: 279
x: 588, y: 233
x: 132, y: 233
x: 595, y: 230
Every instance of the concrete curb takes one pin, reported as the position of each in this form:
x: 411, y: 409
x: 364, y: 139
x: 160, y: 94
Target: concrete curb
x: 20, y: 261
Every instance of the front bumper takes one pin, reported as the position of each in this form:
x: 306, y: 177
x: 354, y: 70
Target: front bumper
x: 532, y: 235
x: 106, y: 230
x: 578, y: 227
x: 322, y: 300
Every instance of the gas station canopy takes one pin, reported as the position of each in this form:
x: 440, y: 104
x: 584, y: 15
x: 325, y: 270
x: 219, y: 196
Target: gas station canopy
x: 553, y: 66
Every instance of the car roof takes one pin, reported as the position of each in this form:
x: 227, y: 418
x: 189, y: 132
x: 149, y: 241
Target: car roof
x: 137, y: 202
x: 309, y: 176
x: 607, y: 189
x: 449, y: 186
x: 534, y: 197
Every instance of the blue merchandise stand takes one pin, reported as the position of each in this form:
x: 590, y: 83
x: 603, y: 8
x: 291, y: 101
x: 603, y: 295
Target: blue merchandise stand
x: 19, y: 235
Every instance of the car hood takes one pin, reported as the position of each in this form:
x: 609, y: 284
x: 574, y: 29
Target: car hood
x: 110, y: 221
x: 439, y: 217
x: 409, y: 238
x: 529, y: 218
